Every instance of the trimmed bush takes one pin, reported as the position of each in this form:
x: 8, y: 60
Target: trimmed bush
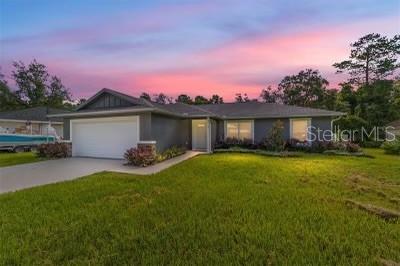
x: 140, y: 156
x: 54, y: 150
x: 352, y: 147
x: 321, y: 146
x: 274, y: 140
x: 171, y: 153
x: 234, y: 142
x: 392, y: 147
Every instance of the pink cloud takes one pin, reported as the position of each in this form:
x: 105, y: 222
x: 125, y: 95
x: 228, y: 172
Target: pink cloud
x: 243, y: 65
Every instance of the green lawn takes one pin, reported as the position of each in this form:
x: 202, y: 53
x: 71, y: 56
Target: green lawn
x: 10, y: 158
x: 213, y: 209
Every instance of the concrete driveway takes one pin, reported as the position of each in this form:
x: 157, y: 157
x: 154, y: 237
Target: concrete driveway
x: 35, y: 174
x: 22, y: 176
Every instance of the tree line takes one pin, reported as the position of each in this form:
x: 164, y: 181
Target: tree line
x: 370, y: 95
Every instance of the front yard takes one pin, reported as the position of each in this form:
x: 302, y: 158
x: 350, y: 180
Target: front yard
x: 213, y: 209
x: 10, y: 158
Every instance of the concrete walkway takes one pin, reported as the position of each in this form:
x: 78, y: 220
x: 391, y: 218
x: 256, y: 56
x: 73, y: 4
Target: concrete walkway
x: 157, y: 167
x: 22, y: 176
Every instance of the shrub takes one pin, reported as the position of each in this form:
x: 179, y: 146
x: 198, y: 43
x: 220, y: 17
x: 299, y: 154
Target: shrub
x: 141, y: 156
x: 54, y: 150
x: 296, y: 145
x: 371, y: 144
x: 234, y: 142
x: 321, y: 146
x: 352, y: 147
x: 274, y: 140
x: 392, y: 147
x: 171, y: 153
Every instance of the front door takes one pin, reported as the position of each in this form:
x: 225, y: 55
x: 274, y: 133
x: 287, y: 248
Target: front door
x: 199, y: 134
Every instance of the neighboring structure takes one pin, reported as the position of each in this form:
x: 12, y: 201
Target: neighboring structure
x: 31, y: 121
x: 394, y: 128
x: 111, y: 122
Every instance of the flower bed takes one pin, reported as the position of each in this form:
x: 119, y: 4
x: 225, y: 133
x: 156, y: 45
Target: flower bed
x: 145, y: 155
x: 260, y: 152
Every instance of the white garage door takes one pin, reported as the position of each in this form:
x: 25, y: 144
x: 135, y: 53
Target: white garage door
x: 104, y: 137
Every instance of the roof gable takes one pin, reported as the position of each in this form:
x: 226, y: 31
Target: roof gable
x: 110, y: 99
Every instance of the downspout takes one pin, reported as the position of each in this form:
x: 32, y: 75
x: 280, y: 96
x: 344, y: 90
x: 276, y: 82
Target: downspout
x: 209, y: 148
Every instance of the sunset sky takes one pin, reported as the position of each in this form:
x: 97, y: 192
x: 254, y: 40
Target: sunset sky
x: 192, y: 47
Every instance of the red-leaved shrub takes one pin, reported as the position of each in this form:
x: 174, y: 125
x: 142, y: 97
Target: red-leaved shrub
x: 141, y: 156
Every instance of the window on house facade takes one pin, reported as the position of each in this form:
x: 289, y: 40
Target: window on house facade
x: 239, y: 129
x: 299, y: 129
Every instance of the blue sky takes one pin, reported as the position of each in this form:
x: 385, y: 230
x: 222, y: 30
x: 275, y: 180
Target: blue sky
x: 189, y: 47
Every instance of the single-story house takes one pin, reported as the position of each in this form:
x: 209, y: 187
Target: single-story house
x: 32, y: 120
x: 110, y: 122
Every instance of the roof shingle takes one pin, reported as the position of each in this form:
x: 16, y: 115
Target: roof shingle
x: 32, y: 114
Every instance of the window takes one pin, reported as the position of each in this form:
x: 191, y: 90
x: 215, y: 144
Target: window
x: 299, y: 129
x: 239, y: 129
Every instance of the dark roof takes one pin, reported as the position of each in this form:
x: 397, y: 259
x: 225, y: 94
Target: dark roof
x: 183, y: 109
x: 263, y: 110
x: 32, y: 114
x: 224, y: 111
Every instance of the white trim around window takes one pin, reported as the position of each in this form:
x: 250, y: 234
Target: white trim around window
x: 300, y: 119
x: 238, y: 123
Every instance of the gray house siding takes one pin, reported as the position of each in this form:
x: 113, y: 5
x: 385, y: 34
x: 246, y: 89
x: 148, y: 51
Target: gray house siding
x: 263, y: 126
x: 145, y: 126
x: 108, y: 101
x: 66, y: 129
x: 214, y: 132
x: 323, y: 124
x: 170, y: 131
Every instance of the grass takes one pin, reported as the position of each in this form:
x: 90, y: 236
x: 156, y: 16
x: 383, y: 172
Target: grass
x: 10, y: 158
x: 213, y: 209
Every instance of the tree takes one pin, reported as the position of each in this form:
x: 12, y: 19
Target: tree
x: 378, y: 102
x: 145, y: 96
x: 216, y: 99
x: 162, y: 98
x: 183, y: 98
x: 347, y: 98
x: 8, y: 99
x: 239, y: 98
x: 330, y: 99
x: 308, y: 88
x: 268, y: 95
x: 351, y: 123
x: 36, y: 87
x: 81, y: 101
x: 57, y: 93
x: 372, y: 57
x: 200, y: 100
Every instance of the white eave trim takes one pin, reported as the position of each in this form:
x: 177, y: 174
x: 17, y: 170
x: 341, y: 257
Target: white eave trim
x: 32, y: 121
x: 105, y: 112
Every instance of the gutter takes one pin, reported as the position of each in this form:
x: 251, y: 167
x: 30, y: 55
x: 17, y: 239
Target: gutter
x: 165, y: 112
x: 95, y: 113
x: 32, y: 121
x: 277, y: 116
